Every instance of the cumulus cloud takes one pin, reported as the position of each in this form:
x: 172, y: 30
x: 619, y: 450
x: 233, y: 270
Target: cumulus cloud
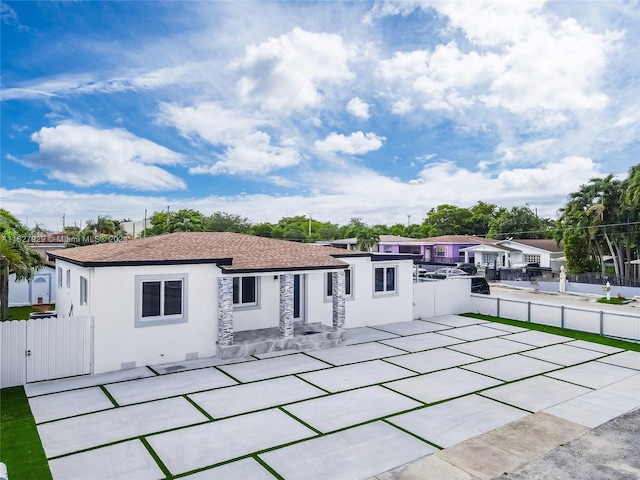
x: 247, y: 149
x: 86, y: 156
x: 252, y: 154
x: 358, y: 108
x: 209, y: 121
x: 522, y: 59
x: 545, y: 187
x: 288, y: 73
x: 355, y: 144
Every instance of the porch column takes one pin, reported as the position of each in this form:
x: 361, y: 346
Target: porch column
x: 225, y: 311
x: 337, y: 296
x: 286, y: 306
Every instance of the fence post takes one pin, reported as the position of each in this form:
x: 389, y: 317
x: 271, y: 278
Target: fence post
x: 601, y: 322
x: 562, y: 316
x: 498, y: 307
x: 529, y: 312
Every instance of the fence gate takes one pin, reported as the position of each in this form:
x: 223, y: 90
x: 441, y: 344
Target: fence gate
x: 58, y: 347
x: 45, y: 348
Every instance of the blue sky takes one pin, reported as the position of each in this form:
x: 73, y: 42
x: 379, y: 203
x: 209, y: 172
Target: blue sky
x: 375, y: 110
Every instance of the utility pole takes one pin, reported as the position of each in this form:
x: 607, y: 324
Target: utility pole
x: 63, y: 226
x: 408, y: 220
x: 309, y: 213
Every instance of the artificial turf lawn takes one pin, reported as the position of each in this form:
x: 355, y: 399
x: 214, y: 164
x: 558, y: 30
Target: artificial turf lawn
x: 20, y: 447
x: 588, y: 337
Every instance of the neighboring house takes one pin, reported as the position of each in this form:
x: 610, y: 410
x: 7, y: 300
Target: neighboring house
x: 397, y: 244
x: 183, y: 296
x: 41, y: 289
x: 546, y: 252
x: 504, y: 253
x: 450, y: 248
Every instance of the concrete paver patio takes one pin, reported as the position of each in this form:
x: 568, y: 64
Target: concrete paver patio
x: 395, y: 394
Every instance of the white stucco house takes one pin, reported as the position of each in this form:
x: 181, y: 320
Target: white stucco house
x: 505, y: 253
x: 184, y: 296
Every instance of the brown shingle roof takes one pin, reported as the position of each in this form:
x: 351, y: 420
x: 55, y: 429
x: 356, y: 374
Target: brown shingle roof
x: 458, y: 239
x: 231, y: 251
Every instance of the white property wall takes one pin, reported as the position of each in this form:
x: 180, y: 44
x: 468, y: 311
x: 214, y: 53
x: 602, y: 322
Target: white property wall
x: 445, y: 297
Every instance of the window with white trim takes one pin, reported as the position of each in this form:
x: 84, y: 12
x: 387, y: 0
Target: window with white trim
x: 441, y: 251
x: 59, y: 270
x: 161, y: 299
x: 84, y: 291
x: 489, y: 259
x: 348, y: 284
x: 385, y: 279
x: 245, y: 292
x: 68, y: 278
x: 530, y: 258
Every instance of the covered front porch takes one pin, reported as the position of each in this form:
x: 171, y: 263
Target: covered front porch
x: 288, y: 334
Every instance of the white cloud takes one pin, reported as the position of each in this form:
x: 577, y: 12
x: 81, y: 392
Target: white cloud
x: 355, y: 144
x: 358, y: 108
x: 402, y: 106
x: 209, y: 121
x: 287, y: 73
x: 522, y: 60
x: 528, y: 152
x: 86, y: 156
x: 545, y: 187
x: 252, y: 154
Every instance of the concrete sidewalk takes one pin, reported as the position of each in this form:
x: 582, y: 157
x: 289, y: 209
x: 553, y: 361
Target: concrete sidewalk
x: 406, y: 394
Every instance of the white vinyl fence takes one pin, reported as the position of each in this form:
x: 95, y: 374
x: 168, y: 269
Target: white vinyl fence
x: 610, y: 324
x: 44, y: 349
x: 444, y: 297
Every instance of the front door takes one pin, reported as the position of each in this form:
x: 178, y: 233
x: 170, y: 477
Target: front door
x: 298, y: 297
x: 40, y: 291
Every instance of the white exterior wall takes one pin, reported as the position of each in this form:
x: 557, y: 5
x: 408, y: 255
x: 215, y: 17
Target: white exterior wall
x: 119, y: 344
x: 267, y: 313
x: 20, y: 292
x: 66, y: 298
x: 369, y: 309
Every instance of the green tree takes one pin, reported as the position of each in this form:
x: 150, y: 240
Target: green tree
x: 482, y: 214
x: 448, y: 219
x: 103, y: 225
x: 226, y: 222
x: 262, y: 229
x: 367, y: 238
x: 603, y: 216
x: 519, y: 222
x: 186, y: 220
x: 15, y: 257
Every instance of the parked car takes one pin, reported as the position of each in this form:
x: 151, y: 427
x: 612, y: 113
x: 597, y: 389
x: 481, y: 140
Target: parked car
x: 446, y: 272
x: 470, y: 268
x: 528, y: 270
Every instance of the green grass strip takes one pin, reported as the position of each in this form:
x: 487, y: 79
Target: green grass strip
x: 578, y: 335
x: 20, y: 446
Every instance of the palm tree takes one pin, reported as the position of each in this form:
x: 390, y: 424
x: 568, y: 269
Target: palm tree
x: 367, y: 238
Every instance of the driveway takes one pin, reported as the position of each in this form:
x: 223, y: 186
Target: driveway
x: 392, y: 395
